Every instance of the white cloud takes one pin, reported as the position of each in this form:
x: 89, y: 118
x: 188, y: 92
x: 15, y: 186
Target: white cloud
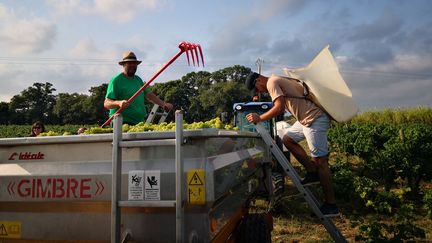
x: 404, y: 66
x: 413, y: 63
x: 277, y: 7
x: 9, y: 74
x: 247, y: 34
x: 122, y: 11
x: 341, y: 59
x: 3, y: 12
x: 118, y: 11
x: 84, y: 48
x: 384, y: 26
x: 21, y: 36
x: 66, y: 7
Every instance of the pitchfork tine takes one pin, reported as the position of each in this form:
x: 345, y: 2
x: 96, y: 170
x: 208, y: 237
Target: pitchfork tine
x: 192, y: 47
x: 186, y: 47
x: 202, y: 57
x: 196, y: 54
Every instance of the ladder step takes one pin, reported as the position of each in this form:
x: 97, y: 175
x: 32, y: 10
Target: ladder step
x: 150, y: 204
x: 152, y: 114
x: 148, y: 143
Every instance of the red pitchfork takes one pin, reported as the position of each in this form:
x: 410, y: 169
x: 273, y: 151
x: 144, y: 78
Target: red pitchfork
x: 184, y: 47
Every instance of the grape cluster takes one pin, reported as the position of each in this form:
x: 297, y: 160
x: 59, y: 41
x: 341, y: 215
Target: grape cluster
x: 144, y: 127
x: 98, y: 130
x: 164, y: 126
x: 49, y: 133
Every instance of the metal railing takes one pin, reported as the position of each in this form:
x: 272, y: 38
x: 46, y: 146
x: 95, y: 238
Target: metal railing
x: 117, y: 203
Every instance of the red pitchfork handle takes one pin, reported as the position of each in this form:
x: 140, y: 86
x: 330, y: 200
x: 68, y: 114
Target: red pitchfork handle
x: 184, y: 47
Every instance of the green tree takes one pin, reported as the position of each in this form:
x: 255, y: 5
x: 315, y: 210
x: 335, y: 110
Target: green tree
x: 5, y: 115
x: 205, y: 95
x: 70, y: 108
x: 182, y: 92
x: 221, y: 96
x: 225, y: 87
x: 236, y: 73
x: 169, y: 92
x: 191, y: 86
x: 93, y: 106
x: 34, y: 103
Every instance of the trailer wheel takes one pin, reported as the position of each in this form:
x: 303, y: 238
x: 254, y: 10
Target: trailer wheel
x: 278, y: 183
x: 255, y: 229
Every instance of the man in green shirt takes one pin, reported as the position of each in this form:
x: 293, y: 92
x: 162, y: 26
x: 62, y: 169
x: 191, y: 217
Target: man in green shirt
x: 123, y: 86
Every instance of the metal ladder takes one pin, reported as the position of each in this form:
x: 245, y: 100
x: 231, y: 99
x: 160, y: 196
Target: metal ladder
x: 154, y: 112
x: 306, y: 193
x: 116, y: 202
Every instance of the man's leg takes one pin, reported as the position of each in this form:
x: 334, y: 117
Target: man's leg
x: 316, y: 137
x: 325, y: 178
x: 299, y: 153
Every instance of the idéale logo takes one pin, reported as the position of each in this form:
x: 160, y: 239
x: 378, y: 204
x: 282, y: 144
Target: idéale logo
x: 26, y: 156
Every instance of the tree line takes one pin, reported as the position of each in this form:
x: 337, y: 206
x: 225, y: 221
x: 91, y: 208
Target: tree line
x: 202, y: 95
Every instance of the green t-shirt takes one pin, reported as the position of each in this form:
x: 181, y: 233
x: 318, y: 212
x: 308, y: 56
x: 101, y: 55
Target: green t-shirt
x: 122, y: 88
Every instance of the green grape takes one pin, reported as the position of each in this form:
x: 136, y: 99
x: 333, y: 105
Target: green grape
x: 145, y: 127
x: 171, y: 126
x: 125, y: 127
x: 98, y: 130
x: 49, y: 133
x: 164, y: 126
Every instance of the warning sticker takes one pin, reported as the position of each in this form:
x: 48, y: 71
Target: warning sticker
x: 136, y: 185
x: 10, y: 229
x: 152, y: 185
x: 196, y: 187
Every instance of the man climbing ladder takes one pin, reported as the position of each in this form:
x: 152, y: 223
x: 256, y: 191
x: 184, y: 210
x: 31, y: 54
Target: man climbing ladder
x: 312, y: 124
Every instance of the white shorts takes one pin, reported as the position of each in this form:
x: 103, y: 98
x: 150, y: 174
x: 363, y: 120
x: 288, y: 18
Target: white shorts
x: 316, y: 135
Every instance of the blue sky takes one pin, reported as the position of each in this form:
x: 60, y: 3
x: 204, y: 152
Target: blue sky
x: 384, y: 48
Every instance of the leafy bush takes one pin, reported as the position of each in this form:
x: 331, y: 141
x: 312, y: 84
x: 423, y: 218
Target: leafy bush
x: 389, y: 151
x: 402, y: 230
x: 396, y: 116
x: 382, y: 159
x: 427, y: 201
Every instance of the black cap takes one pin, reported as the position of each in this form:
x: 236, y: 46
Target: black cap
x: 251, y: 80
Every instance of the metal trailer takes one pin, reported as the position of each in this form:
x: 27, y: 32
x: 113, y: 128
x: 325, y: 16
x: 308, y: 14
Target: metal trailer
x: 59, y: 189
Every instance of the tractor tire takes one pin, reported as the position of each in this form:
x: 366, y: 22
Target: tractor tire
x: 278, y: 184
x: 254, y: 228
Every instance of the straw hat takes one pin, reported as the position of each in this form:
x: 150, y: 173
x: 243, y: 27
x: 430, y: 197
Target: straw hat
x: 129, y: 57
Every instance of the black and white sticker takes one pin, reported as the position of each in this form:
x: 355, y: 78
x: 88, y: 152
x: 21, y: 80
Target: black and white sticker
x: 152, y: 185
x: 136, y: 185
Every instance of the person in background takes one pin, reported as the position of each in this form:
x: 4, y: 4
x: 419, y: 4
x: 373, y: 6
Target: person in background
x: 312, y: 124
x: 81, y: 130
x: 37, y: 128
x: 123, y: 86
x: 255, y: 98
